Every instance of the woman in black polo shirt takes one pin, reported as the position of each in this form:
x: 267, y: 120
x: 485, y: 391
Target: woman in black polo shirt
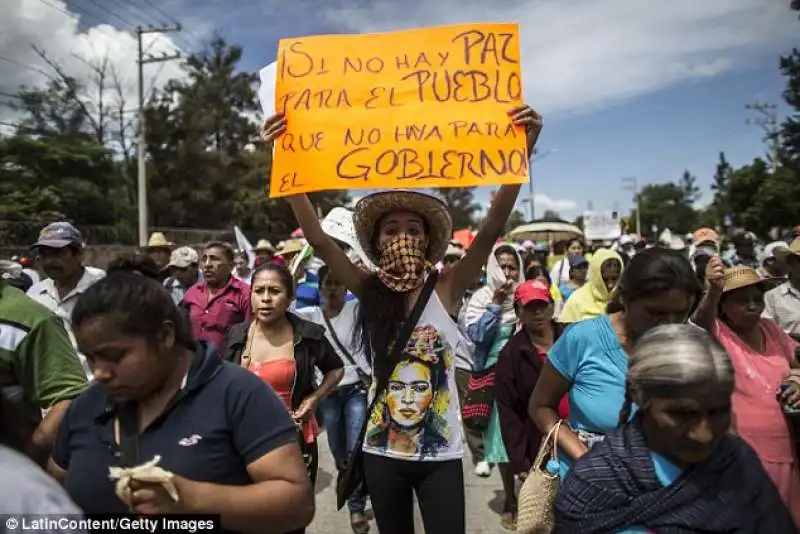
x: 225, y: 436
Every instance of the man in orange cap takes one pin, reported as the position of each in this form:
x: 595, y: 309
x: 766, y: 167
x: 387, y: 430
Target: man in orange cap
x: 706, y: 237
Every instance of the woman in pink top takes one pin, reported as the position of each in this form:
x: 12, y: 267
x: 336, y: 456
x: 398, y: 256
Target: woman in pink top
x: 763, y: 357
x: 284, y: 351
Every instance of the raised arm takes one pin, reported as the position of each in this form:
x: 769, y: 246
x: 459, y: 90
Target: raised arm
x: 324, y: 246
x: 707, y: 310
x: 458, y: 280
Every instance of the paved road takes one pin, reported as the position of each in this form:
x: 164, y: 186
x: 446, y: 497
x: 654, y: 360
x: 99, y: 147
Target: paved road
x: 484, y: 500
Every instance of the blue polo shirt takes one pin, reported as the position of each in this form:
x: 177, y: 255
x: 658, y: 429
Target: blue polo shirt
x: 223, y: 419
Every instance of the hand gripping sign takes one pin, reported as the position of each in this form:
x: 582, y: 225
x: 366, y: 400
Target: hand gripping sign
x: 412, y: 109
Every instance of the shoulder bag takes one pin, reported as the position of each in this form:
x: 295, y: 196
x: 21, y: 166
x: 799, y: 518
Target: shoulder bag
x: 366, y: 380
x: 351, y: 477
x: 538, y: 493
x: 479, y: 399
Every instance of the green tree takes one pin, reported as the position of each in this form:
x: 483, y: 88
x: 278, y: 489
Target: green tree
x: 756, y: 197
x: 685, y: 208
x: 688, y: 185
x: 743, y: 189
x: 57, y: 166
x: 515, y: 219
x: 719, y: 186
x: 207, y: 167
x: 461, y: 203
x: 551, y: 215
x: 790, y: 129
x: 198, y: 132
x: 665, y: 205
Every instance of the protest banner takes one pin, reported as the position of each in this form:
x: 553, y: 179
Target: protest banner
x: 601, y: 226
x: 266, y: 89
x: 418, y: 108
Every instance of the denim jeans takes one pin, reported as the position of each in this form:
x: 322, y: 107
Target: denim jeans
x: 343, y: 414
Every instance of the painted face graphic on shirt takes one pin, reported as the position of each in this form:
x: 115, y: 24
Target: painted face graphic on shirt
x: 410, y: 393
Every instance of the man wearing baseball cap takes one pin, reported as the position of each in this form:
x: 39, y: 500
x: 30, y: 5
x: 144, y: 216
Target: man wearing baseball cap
x: 60, y: 252
x: 578, y: 273
x: 183, y: 272
x: 782, y: 304
x: 706, y: 237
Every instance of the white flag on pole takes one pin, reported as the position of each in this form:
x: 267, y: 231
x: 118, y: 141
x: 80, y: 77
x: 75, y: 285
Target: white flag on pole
x: 244, y: 245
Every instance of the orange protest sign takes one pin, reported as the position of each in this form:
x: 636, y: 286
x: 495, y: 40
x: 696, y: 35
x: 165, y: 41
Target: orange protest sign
x: 410, y: 109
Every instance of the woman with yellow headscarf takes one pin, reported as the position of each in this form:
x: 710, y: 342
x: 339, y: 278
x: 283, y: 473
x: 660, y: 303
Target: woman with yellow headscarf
x: 605, y: 269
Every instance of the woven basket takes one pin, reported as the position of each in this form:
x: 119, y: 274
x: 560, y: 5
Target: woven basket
x: 538, y: 493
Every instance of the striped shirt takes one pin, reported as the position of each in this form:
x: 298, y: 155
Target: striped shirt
x: 38, y: 364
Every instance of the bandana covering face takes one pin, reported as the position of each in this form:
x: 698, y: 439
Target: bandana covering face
x: 402, y: 263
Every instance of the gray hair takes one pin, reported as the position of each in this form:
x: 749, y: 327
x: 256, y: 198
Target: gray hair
x: 671, y: 358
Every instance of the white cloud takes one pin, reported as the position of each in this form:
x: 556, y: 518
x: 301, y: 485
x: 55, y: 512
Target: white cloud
x: 560, y: 205
x: 29, y: 23
x: 579, y: 55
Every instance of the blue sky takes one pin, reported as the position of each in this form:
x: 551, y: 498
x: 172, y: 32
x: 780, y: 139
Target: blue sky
x: 667, y: 125
x: 626, y: 87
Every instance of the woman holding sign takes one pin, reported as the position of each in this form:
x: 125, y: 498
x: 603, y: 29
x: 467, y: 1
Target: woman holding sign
x: 413, y: 440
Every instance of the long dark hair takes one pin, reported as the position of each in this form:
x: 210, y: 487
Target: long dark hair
x: 535, y: 271
x: 381, y: 313
x: 653, y: 271
x: 137, y: 305
x: 283, y: 272
x: 134, y: 263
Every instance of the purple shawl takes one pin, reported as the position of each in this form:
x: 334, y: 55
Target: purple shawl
x: 615, y: 486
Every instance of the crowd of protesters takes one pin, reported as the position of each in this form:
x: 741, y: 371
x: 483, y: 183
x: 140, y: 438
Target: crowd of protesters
x: 200, y: 380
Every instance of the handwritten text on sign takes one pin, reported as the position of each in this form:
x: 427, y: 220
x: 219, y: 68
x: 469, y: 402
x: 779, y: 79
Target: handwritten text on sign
x: 418, y: 108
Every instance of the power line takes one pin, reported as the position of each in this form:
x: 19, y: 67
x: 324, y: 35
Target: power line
x: 24, y: 66
x: 80, y: 11
x: 184, y: 31
x: 159, y: 10
x: 127, y: 8
x: 113, y: 14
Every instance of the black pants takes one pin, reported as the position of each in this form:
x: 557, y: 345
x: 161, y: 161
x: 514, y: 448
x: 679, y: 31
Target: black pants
x: 439, y: 487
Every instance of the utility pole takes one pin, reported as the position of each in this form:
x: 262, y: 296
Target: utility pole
x: 632, y: 185
x: 142, y: 176
x: 766, y: 118
x: 536, y: 157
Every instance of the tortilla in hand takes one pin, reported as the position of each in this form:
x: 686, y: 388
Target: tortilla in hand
x: 148, y: 472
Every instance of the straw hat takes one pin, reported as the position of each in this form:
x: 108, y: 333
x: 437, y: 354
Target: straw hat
x: 158, y: 240
x: 290, y: 246
x: 782, y: 253
x: 264, y: 245
x: 372, y: 207
x: 742, y: 276
x: 454, y: 251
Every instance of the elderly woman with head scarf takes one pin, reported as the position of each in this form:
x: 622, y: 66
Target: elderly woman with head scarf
x: 674, y: 467
x: 591, y: 299
x: 491, y: 321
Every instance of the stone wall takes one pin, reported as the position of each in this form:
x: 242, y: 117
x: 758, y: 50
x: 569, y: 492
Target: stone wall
x: 96, y: 255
